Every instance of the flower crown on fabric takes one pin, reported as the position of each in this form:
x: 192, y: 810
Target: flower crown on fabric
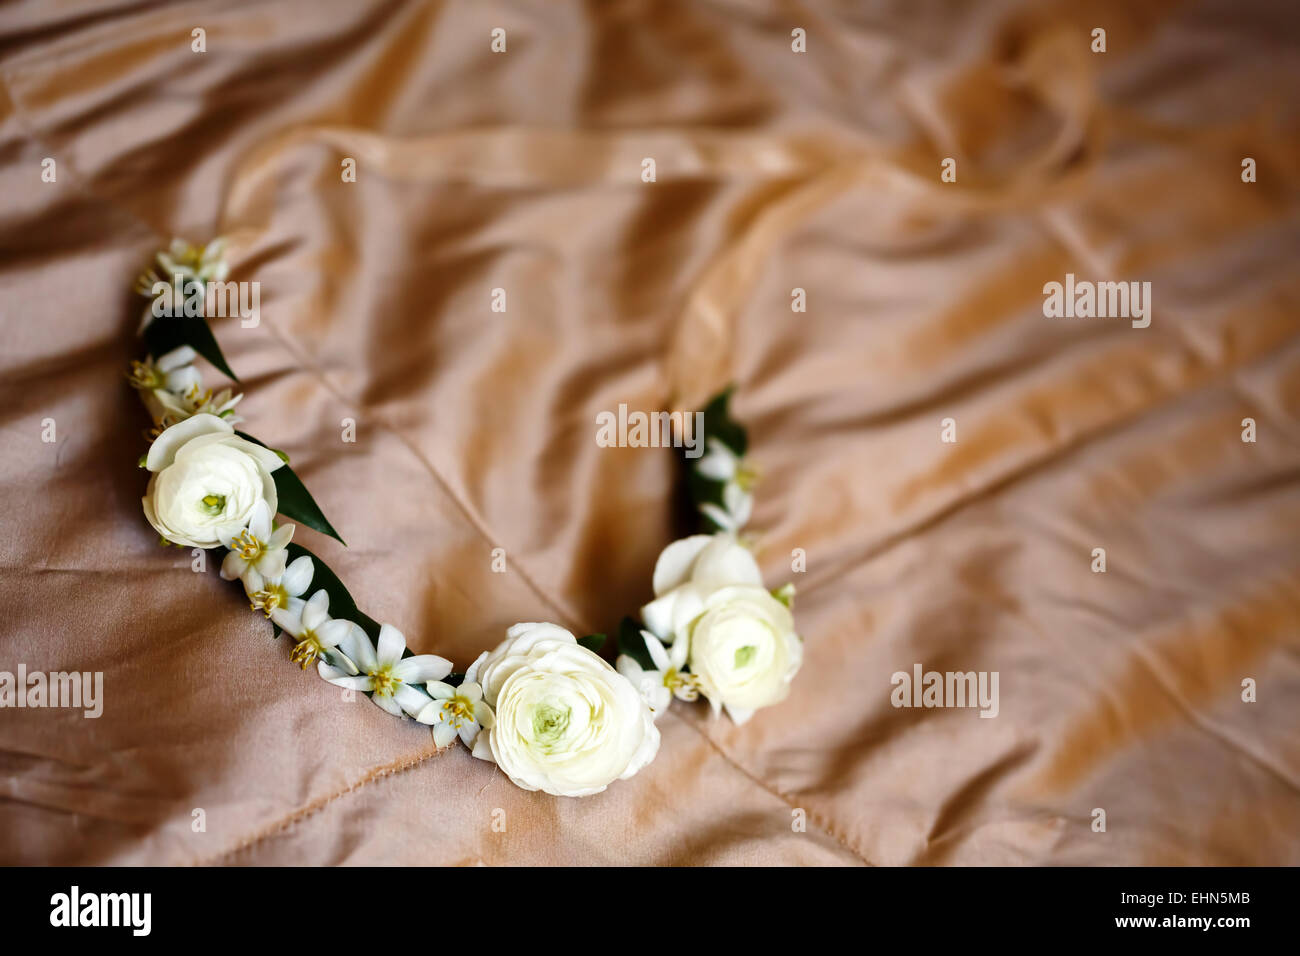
x: 543, y: 705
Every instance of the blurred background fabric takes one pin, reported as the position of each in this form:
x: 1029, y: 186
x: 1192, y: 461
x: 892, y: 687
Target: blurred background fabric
x: 776, y: 170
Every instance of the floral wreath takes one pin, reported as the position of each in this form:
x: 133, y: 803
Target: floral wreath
x: 543, y: 705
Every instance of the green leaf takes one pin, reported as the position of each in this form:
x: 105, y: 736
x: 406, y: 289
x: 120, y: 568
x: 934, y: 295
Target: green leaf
x: 719, y: 424
x: 169, y: 332
x: 631, y: 643
x: 296, y: 502
x: 341, y: 603
x: 593, y: 642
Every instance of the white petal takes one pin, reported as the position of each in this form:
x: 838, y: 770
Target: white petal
x: 468, y: 732
x: 340, y: 665
x: 232, y: 566
x: 329, y: 673
x: 163, y: 451
x: 657, y: 652
x: 472, y: 673
x: 177, y: 357
x: 726, y: 561
x: 316, y: 611
x: 259, y: 453
x: 271, y: 564
x: 409, y: 699
x: 689, y: 606
x: 722, y: 519
x: 360, y: 651
x: 470, y: 691
x: 720, y: 462
x: 391, y: 644
x: 288, y: 620
x: 483, y: 714
x: 629, y: 668
x: 297, y: 576
x: 740, y: 503
x: 253, y: 580
x: 738, y: 715
x: 483, y: 748
x: 524, y: 636
x: 443, y: 734
x: 658, y: 614
x: 181, y: 380
x: 387, y: 703
x: 440, y: 691
x: 679, y: 650
x: 281, y: 536
x: 658, y: 698
x: 334, y: 632
x: 430, y: 713
x: 361, y: 682
x: 421, y: 668
x: 673, y: 567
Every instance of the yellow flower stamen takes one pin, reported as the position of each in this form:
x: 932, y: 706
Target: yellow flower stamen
x: 197, y: 399
x: 213, y: 504
x: 385, y: 683
x: 307, y: 650
x: 145, y: 281
x: 269, y: 598
x: 458, y: 710
x: 683, y: 686
x: 747, y: 476
x: 145, y: 376
x: 246, y: 544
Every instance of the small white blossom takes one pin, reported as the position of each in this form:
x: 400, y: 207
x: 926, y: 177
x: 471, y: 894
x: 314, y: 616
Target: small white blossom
x: 172, y: 372
x: 318, y: 635
x: 285, y: 590
x: 168, y: 408
x: 666, y: 681
x: 182, y: 265
x: 456, y: 710
x: 203, y: 263
x: 391, y: 680
x: 723, y: 464
x: 257, y: 553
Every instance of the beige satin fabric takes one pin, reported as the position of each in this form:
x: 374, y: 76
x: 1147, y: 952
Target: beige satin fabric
x: 476, y: 430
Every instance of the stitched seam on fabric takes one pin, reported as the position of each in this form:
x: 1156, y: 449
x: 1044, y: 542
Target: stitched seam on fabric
x: 768, y: 788
x: 288, y: 822
x: 292, y: 819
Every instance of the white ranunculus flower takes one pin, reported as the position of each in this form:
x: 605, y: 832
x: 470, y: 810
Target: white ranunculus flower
x: 206, y: 482
x: 743, y: 649
x: 566, y: 721
x: 687, y: 572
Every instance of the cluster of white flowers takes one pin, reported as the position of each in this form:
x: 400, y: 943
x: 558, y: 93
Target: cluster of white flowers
x: 713, y: 629
x: 172, y: 389
x: 728, y: 638
x: 551, y: 713
x: 184, y: 264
